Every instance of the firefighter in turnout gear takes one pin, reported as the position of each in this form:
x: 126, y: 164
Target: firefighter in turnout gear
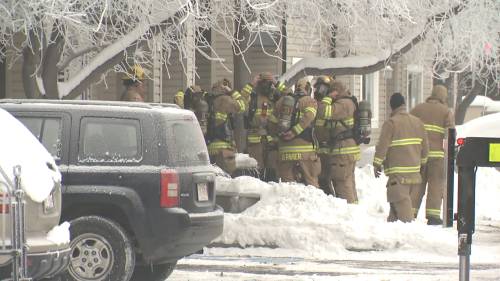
x: 262, y: 146
x: 403, y: 150
x: 297, y: 152
x: 322, y: 128
x: 223, y: 102
x: 194, y: 99
x: 437, y: 118
x: 342, y: 148
x: 135, y: 88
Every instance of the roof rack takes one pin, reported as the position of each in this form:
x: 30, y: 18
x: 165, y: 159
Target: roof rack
x: 90, y: 102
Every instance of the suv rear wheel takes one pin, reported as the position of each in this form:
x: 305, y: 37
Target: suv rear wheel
x: 157, y: 272
x: 100, y: 250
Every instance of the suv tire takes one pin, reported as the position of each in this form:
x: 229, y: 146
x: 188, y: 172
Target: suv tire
x: 157, y: 272
x: 100, y: 250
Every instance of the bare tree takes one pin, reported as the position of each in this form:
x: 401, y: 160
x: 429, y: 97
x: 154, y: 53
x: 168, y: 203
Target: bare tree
x: 83, y: 39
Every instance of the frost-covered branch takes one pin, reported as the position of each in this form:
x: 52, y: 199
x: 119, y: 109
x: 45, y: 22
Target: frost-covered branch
x: 462, y: 34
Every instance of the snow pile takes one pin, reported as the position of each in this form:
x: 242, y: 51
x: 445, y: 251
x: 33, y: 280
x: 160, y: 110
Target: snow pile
x: 293, y: 216
x: 19, y: 147
x: 487, y: 126
x: 303, y: 219
x: 244, y: 161
x: 59, y: 234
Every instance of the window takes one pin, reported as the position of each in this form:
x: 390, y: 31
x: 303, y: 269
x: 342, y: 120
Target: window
x: 47, y: 131
x: 415, y: 85
x: 182, y: 152
x: 110, y: 140
x: 369, y: 93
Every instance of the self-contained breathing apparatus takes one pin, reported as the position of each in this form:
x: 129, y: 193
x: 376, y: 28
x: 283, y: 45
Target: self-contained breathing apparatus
x: 224, y: 130
x: 361, y: 128
x: 290, y: 113
x: 264, y: 87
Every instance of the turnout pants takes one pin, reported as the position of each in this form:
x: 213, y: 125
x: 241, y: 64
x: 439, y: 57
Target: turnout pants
x: 400, y: 197
x: 267, y: 158
x: 433, y: 177
x: 341, y: 171
x: 310, y: 170
x: 325, y: 178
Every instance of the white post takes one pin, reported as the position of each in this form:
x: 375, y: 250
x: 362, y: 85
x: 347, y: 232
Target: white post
x: 157, y: 68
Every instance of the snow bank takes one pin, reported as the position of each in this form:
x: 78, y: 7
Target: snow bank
x: 304, y: 220
x: 486, y: 126
x: 59, y: 234
x: 19, y: 147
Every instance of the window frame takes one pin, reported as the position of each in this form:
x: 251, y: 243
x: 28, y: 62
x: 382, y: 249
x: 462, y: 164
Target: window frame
x: 418, y: 70
x: 138, y: 158
x: 376, y: 94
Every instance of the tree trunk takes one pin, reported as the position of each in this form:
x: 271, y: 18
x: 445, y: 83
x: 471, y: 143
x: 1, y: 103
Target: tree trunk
x: 50, y: 71
x: 462, y: 107
x: 29, y: 73
x: 95, y: 75
x: 240, y: 72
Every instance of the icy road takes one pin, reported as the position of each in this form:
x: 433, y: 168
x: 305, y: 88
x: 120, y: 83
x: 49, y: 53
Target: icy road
x: 268, y: 264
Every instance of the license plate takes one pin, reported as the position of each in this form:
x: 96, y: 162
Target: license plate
x: 202, y: 192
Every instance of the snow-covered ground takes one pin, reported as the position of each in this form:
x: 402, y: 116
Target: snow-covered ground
x: 296, y: 232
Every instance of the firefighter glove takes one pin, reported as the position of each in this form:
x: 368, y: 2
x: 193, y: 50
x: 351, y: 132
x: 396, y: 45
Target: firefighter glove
x: 377, y: 170
x: 288, y: 135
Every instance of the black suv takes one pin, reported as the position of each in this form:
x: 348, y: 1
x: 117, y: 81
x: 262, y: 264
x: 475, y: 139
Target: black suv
x: 138, y: 187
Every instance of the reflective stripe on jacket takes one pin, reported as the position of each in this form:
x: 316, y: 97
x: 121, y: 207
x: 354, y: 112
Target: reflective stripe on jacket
x: 437, y: 118
x: 298, y: 148
x: 402, y: 147
x: 224, y: 105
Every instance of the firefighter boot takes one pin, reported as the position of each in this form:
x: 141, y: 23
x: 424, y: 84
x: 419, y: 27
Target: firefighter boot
x: 434, y: 221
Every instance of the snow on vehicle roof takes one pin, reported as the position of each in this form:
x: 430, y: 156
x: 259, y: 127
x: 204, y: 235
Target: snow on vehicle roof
x: 100, y: 105
x: 18, y: 146
x: 487, y: 126
x: 489, y: 104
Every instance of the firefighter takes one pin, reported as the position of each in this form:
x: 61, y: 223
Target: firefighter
x: 133, y: 81
x: 402, y: 149
x: 343, y: 149
x: 223, y: 102
x: 261, y: 145
x: 194, y: 99
x: 297, y: 151
x: 437, y: 118
x: 322, y: 130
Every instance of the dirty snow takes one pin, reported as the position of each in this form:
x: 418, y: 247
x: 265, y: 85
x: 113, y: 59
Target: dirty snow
x: 18, y: 146
x: 302, y: 221
x: 59, y: 234
x: 245, y: 161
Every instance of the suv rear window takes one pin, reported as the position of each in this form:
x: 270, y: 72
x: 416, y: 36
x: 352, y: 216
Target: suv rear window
x: 110, y: 140
x: 186, y: 144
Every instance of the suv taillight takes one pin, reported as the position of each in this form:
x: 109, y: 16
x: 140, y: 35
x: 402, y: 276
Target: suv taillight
x: 169, y: 189
x: 4, y: 203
